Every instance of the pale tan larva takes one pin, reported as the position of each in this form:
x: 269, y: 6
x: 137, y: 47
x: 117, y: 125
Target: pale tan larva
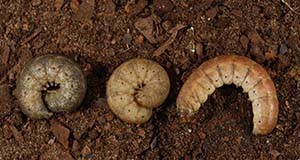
x: 240, y: 71
x: 50, y: 83
x: 135, y: 88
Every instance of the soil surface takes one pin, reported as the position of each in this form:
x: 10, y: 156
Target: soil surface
x: 178, y: 34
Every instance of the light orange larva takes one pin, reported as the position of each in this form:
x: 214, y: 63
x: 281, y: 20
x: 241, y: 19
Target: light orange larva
x: 241, y: 71
x: 135, y: 88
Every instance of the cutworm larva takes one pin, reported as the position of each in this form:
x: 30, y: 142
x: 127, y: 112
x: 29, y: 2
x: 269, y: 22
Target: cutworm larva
x: 50, y: 83
x: 135, y: 88
x: 240, y: 71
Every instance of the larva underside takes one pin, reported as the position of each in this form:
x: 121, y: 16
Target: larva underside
x: 240, y: 71
x: 50, y: 83
x: 135, y: 88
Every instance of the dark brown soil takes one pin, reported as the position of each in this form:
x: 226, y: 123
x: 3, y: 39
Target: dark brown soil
x: 102, y: 34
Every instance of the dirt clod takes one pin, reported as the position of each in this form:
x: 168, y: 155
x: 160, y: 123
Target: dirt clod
x: 61, y: 133
x: 146, y: 27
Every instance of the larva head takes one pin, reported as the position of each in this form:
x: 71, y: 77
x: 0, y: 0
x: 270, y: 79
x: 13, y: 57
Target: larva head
x: 136, y: 87
x: 50, y: 83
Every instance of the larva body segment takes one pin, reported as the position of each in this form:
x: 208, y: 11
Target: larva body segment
x: 50, y: 83
x: 135, y: 88
x: 240, y: 71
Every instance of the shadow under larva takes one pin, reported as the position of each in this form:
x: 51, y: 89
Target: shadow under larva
x: 241, y: 71
x: 135, y: 88
x: 50, y: 83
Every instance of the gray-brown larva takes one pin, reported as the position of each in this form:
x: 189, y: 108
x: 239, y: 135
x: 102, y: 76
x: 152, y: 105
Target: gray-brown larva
x: 135, y: 88
x: 50, y: 83
x: 240, y: 71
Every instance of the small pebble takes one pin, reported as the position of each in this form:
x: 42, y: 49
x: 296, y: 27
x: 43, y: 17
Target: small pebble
x: 86, y: 151
x: 36, y: 3
x: 127, y: 38
x: 283, y: 48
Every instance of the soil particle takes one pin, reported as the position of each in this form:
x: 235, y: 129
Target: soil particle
x: 202, y: 135
x: 56, y: 152
x: 274, y: 154
x: 199, y: 50
x: 141, y: 132
x: 36, y: 3
x: 133, y: 7
x: 256, y: 46
x: 283, y: 48
x: 244, y: 41
x: 146, y: 27
x: 160, y: 50
x: 17, y: 134
x: 6, y: 102
x: 58, y: 4
x: 211, y: 13
x: 86, y: 151
x: 75, y: 146
x: 85, y: 10
x: 61, y: 133
x: 5, y: 52
x: 127, y: 38
x: 162, y: 6
x: 7, y: 132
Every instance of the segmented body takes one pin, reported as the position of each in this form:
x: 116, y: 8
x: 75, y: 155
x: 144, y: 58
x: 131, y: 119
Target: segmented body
x: 135, y: 88
x: 240, y: 71
x: 50, y: 83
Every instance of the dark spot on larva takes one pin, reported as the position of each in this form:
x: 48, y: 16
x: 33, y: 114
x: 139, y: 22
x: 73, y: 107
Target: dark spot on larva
x: 130, y: 72
x: 254, y: 91
x: 237, y: 77
x: 257, y: 104
x: 225, y: 76
x: 208, y: 88
x: 143, y: 116
x: 246, y: 82
x: 259, y: 121
x: 129, y: 110
x: 42, y: 105
x: 216, y: 80
x: 143, y: 68
x: 121, y: 98
x: 153, y: 71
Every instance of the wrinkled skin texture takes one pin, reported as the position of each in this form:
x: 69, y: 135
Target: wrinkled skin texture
x: 135, y: 88
x: 50, y: 83
x: 240, y: 71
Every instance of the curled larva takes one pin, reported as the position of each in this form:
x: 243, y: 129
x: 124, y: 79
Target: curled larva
x: 135, y: 88
x: 50, y: 83
x: 240, y: 71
